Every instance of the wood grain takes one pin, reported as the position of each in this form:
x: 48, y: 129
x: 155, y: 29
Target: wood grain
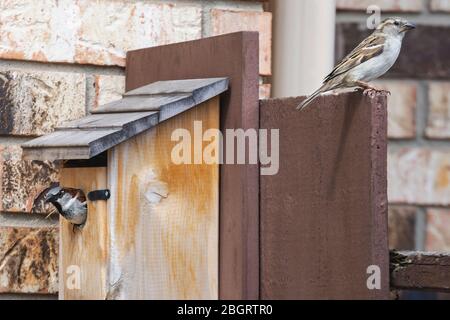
x: 164, y: 217
x: 85, y: 248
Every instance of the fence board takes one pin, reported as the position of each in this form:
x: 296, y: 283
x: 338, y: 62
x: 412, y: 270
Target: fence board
x: 324, y: 216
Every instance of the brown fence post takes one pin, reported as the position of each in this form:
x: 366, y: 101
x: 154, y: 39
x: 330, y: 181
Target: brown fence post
x: 324, y: 215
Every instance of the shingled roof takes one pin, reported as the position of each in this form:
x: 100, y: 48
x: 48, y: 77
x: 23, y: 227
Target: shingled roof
x: 115, y: 122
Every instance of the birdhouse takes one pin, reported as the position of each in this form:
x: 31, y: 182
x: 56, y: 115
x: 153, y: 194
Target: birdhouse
x: 152, y: 219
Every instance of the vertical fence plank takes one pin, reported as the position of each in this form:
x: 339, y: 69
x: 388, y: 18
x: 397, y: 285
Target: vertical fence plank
x: 324, y: 216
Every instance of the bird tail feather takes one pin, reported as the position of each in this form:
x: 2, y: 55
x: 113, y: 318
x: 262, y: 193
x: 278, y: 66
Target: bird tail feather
x: 310, y: 99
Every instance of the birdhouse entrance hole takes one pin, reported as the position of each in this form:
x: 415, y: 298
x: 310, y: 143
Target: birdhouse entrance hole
x: 79, y: 190
x: 87, y: 247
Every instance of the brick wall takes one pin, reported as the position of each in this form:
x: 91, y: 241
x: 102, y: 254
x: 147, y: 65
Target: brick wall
x: 58, y: 61
x: 419, y: 119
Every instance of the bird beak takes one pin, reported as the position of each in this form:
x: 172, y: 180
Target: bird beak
x: 48, y: 198
x: 408, y: 26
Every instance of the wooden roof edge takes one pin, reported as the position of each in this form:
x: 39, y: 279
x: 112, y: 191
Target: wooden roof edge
x: 175, y: 87
x: 198, y: 96
x: 109, y: 139
x: 104, y: 121
x: 203, y: 94
x: 56, y: 153
x: 185, y: 101
x: 106, y: 137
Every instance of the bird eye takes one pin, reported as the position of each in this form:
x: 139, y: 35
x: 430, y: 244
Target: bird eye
x: 397, y: 23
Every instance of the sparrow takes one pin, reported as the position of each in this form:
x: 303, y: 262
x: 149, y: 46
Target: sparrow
x: 372, y: 58
x: 69, y: 202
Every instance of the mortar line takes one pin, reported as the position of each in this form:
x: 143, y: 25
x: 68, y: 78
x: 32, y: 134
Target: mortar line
x: 422, y: 111
x: 27, y: 65
x: 424, y: 18
x: 27, y: 220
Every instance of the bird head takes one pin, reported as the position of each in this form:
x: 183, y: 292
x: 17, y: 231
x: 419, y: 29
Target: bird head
x: 54, y: 194
x: 395, y: 26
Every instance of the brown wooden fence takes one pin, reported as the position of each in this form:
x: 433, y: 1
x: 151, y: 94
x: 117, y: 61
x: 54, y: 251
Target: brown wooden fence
x: 324, y: 215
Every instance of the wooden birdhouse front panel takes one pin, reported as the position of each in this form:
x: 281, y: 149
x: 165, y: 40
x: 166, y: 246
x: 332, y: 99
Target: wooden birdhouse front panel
x: 84, y: 251
x: 157, y: 235
x: 163, y: 217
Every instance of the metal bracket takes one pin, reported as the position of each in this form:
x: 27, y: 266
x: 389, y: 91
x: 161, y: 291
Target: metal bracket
x: 96, y: 195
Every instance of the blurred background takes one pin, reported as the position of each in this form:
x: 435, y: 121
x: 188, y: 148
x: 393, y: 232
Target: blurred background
x: 61, y: 59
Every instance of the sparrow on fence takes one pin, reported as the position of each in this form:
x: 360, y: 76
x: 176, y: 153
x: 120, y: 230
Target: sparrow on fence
x: 69, y: 202
x: 372, y: 58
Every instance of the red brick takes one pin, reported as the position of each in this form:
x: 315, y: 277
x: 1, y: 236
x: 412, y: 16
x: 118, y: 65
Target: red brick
x: 402, y: 224
x: 92, y: 32
x: 21, y: 181
x: 33, y: 103
x: 29, y: 260
x: 108, y: 88
x: 226, y: 21
x: 438, y: 230
x: 402, y: 105
x: 419, y: 176
x: 439, y: 110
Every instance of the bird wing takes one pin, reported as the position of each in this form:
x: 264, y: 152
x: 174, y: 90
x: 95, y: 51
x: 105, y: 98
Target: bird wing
x: 369, y: 48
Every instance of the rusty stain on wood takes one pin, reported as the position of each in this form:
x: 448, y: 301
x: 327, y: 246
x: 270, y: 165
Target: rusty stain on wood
x: 86, y: 248
x: 164, y: 217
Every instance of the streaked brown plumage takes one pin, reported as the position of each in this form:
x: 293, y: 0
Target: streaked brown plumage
x: 69, y: 202
x: 373, y: 57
